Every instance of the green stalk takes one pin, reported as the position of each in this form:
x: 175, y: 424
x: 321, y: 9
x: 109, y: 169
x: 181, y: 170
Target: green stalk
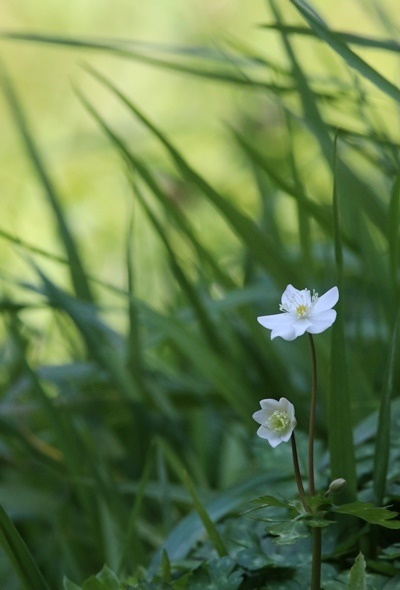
x: 316, y: 531
x: 316, y: 559
x: 311, y: 432
x: 297, y: 474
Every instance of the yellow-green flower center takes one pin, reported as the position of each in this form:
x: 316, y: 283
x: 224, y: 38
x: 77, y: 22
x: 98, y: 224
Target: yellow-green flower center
x: 278, y: 421
x: 302, y: 311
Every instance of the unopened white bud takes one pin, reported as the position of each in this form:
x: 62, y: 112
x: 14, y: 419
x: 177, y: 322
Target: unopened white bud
x: 335, y: 486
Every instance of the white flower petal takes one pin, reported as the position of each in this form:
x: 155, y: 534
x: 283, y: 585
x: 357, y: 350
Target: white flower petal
x: 288, y: 294
x: 301, y: 326
x: 322, y: 321
x: 274, y: 440
x: 285, y: 332
x: 327, y: 300
x: 287, y: 407
x: 286, y: 436
x: 270, y: 406
x: 272, y: 321
x: 264, y: 432
x: 260, y: 417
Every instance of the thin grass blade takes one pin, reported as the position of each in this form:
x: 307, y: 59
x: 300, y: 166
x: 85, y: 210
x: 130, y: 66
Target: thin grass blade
x: 362, y: 41
x: 342, y: 49
x: 340, y: 427
x: 20, y: 557
x: 382, y: 441
x: 263, y: 249
x: 78, y: 274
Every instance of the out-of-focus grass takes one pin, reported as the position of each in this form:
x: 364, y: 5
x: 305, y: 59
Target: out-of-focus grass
x: 181, y: 204
x: 70, y: 142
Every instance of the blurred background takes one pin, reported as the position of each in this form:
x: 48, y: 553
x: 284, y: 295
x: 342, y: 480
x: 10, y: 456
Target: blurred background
x: 194, y: 110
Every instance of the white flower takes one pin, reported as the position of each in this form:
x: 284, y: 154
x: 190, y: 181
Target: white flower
x: 277, y: 420
x: 302, y: 312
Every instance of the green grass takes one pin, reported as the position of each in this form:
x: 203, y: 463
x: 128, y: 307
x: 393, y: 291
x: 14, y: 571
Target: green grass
x: 126, y: 417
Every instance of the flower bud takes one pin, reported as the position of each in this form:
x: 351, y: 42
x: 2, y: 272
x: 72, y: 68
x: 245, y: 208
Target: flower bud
x: 335, y: 486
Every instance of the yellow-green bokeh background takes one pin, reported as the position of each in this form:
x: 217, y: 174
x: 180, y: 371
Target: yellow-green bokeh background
x: 192, y: 111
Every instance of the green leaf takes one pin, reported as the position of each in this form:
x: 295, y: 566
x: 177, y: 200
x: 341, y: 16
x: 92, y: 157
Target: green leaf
x: 272, y: 501
x: 340, y: 427
x: 17, y: 552
x: 289, y: 532
x: 68, y: 585
x: 358, y: 578
x: 104, y: 580
x: 219, y: 574
x: 370, y: 513
x: 382, y: 441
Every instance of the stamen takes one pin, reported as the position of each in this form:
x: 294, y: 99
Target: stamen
x: 278, y: 421
x: 300, y: 304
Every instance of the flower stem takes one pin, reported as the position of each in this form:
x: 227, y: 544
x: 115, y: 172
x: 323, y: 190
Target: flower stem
x: 316, y: 531
x: 297, y: 474
x: 311, y: 432
x: 316, y: 559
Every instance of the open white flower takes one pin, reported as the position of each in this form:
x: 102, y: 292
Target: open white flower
x: 277, y: 420
x: 302, y: 312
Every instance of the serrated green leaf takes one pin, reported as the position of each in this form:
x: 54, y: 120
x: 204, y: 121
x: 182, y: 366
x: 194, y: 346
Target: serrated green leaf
x: 358, y: 578
x: 288, y: 532
x: 272, y: 501
x: 370, y: 513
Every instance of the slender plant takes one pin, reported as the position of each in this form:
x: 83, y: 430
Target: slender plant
x: 303, y: 312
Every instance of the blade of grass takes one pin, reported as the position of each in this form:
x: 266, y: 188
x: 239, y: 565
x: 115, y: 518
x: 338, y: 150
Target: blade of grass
x: 67, y: 438
x: 362, y: 194
x: 382, y: 442
x: 134, y: 347
x: 205, y: 321
x: 184, y: 476
x: 78, y: 274
x: 181, y: 222
x: 19, y: 555
x: 121, y: 50
x: 341, y: 48
x: 132, y: 545
x: 262, y: 248
x: 393, y: 234
x: 340, y: 427
x: 228, y: 382
x: 362, y: 41
x: 290, y: 189
x: 186, y: 534
x: 208, y: 524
